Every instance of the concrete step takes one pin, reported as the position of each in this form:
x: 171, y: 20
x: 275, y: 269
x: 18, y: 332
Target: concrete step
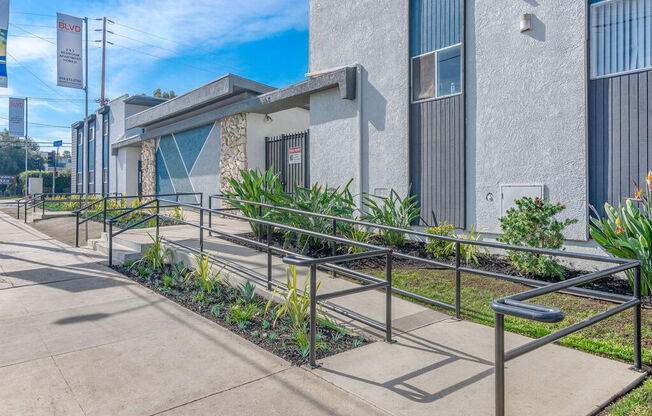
x: 121, y: 253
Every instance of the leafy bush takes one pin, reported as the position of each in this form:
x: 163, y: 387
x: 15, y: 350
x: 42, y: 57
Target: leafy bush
x: 254, y: 186
x: 203, y: 274
x: 359, y: 234
x: 295, y: 305
x: 392, y: 211
x: 441, y: 248
x: 627, y: 232
x: 247, y: 292
x: 319, y: 200
x: 242, y: 313
x: 531, y: 224
x: 156, y: 256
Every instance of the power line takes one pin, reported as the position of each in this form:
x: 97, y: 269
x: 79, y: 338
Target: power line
x: 33, y: 14
x: 36, y: 76
x: 31, y: 25
x: 39, y: 124
x: 34, y: 34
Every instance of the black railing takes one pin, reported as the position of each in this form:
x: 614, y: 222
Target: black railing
x: 106, y: 210
x: 514, y: 305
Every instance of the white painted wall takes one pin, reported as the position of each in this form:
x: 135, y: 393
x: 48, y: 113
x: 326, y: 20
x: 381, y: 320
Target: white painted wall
x: 371, y: 145
x: 526, y: 106
x: 127, y: 168
x: 283, y: 122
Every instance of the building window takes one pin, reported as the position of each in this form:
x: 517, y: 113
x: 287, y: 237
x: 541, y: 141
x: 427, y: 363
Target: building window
x: 621, y: 36
x: 80, y: 160
x: 437, y: 74
x: 105, y: 153
x: 91, y: 158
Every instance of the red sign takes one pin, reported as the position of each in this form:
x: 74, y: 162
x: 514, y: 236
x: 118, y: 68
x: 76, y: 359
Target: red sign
x: 295, y: 155
x: 69, y: 27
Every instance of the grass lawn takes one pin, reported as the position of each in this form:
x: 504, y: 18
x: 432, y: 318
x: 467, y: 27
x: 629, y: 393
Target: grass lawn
x: 612, y: 337
x: 636, y: 403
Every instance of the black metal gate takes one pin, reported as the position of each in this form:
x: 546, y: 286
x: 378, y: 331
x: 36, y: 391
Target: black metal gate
x: 289, y: 156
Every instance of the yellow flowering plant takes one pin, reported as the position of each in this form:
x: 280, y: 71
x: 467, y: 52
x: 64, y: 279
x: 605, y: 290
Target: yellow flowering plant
x: 627, y: 232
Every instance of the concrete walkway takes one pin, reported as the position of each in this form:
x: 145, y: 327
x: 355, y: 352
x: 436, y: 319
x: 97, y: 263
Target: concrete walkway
x: 438, y: 366
x: 78, y: 339
x: 78, y: 336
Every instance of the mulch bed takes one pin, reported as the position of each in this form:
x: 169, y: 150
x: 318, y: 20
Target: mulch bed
x: 183, y: 294
x: 491, y: 263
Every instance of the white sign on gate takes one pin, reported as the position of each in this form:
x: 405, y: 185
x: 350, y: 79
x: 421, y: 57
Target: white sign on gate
x: 294, y: 155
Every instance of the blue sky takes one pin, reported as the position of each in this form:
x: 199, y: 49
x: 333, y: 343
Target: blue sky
x: 265, y: 40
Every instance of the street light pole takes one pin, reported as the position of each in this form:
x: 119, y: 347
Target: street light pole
x: 85, y: 121
x: 26, y: 136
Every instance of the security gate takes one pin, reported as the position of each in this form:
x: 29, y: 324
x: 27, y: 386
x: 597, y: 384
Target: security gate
x: 289, y: 156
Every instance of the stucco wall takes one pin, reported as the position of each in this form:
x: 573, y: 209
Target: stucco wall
x: 343, y: 140
x: 127, y: 170
x: 526, y: 106
x: 283, y: 122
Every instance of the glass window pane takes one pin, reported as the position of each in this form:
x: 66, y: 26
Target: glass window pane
x: 423, y: 77
x: 449, y: 72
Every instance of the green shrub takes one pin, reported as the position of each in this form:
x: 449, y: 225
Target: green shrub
x: 359, y: 234
x: 295, y: 303
x: 319, y: 200
x: 531, y: 224
x: 441, y: 248
x: 392, y: 211
x: 156, y: 256
x: 255, y: 186
x: 242, y: 313
x: 203, y: 274
x: 627, y: 232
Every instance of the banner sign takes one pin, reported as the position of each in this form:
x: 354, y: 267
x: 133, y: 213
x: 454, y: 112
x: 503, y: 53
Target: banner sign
x: 7, y: 179
x: 16, y: 117
x: 4, y: 26
x: 70, y: 69
x: 295, y: 155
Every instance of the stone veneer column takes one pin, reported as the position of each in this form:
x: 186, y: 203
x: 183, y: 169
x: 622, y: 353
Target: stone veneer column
x: 233, y: 154
x: 148, y: 158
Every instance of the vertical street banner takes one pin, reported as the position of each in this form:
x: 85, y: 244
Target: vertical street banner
x: 70, y: 69
x: 16, y: 117
x: 4, y: 26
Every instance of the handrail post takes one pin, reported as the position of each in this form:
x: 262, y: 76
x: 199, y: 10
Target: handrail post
x: 458, y: 290
x: 269, y: 258
x: 333, y: 247
x: 104, y: 215
x: 18, y: 209
x: 157, y: 216
x: 201, y: 230
x: 77, y: 229
x: 637, y: 319
x: 26, y: 211
x: 260, y: 226
x: 210, y: 214
x: 388, y: 298
x: 499, y: 365
x: 313, y: 314
x: 110, y: 243
x: 42, y: 206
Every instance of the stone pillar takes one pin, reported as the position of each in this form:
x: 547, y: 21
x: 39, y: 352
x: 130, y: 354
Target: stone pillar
x: 233, y: 153
x: 148, y: 158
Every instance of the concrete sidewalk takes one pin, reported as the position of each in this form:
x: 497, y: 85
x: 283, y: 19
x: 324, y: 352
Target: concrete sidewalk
x: 438, y: 365
x: 79, y: 339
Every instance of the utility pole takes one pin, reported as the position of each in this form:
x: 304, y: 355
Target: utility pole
x: 103, y: 58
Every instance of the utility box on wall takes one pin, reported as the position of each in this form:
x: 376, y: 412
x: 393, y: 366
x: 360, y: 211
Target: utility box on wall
x: 510, y: 193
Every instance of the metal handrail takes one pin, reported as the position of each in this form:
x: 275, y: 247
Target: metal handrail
x: 514, y: 305
x: 489, y: 244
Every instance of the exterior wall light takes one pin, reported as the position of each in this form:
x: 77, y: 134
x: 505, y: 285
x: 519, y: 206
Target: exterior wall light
x: 268, y: 119
x: 526, y: 22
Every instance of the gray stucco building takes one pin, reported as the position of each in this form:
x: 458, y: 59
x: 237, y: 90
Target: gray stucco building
x: 476, y: 103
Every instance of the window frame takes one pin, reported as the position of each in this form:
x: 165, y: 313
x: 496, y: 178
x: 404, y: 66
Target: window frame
x: 590, y: 41
x: 436, y: 53
x: 106, y: 157
x: 80, y: 160
x: 91, y: 145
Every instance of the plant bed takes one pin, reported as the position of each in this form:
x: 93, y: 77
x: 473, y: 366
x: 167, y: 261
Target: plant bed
x: 244, y: 313
x: 488, y: 263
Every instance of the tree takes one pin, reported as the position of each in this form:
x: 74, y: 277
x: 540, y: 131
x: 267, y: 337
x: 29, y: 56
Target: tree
x: 12, y: 156
x: 66, y: 153
x: 164, y: 94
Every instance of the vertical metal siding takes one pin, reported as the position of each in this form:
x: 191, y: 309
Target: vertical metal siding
x: 438, y: 159
x: 620, y: 126
x: 435, y: 25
